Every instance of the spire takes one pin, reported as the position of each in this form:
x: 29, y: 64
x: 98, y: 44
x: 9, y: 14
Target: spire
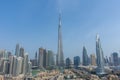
x: 60, y: 19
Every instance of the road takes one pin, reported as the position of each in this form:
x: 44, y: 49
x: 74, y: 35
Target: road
x: 55, y: 77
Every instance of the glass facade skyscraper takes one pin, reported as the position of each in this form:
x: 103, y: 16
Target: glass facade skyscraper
x: 76, y: 61
x: 100, y: 58
x: 114, y: 57
x: 68, y: 63
x: 85, y: 57
x: 50, y: 59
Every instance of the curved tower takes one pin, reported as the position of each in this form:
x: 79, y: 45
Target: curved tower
x: 85, y: 57
x: 100, y: 58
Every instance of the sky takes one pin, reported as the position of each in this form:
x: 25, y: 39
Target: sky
x: 34, y: 24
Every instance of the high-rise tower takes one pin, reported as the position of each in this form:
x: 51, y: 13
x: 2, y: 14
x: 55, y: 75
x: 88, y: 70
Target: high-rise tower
x: 93, y: 59
x: 100, y: 58
x: 85, y: 57
x: 22, y: 52
x: 17, y: 50
x: 60, y: 57
x: 114, y: 59
x: 76, y: 61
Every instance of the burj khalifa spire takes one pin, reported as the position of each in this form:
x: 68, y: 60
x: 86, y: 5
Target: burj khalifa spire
x: 60, y: 56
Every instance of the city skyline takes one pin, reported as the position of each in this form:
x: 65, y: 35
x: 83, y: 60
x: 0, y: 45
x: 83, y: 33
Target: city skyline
x: 31, y: 26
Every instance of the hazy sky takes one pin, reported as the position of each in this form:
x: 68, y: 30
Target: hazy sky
x: 34, y: 24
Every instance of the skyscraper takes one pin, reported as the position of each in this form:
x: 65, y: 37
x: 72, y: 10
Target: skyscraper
x: 17, y: 50
x: 110, y: 61
x: 93, y: 59
x: 34, y: 62
x: 60, y: 57
x: 40, y: 57
x: 6, y: 66
x: 114, y: 58
x: 36, y: 55
x: 76, y: 61
x: 68, y: 63
x: 19, y: 65
x: 106, y: 61
x: 21, y: 52
x: 50, y: 58
x: 29, y: 68
x: 36, y: 59
x: 14, y: 65
x: 100, y: 58
x: 56, y: 59
x: 11, y: 58
x: 25, y: 63
x: 44, y: 58
x: 85, y: 57
x: 3, y: 54
x: 119, y: 60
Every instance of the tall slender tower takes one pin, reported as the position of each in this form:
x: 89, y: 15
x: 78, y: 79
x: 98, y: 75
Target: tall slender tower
x: 100, y: 58
x: 60, y: 57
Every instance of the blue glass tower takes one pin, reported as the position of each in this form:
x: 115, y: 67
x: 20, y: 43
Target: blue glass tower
x: 68, y: 62
x: 114, y: 57
x: 85, y: 57
x: 76, y: 61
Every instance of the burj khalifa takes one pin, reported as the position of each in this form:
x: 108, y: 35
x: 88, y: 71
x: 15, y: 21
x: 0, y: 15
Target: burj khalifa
x: 60, y: 56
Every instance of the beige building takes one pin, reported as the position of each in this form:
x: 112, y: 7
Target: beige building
x: 93, y: 59
x: 1, y: 77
